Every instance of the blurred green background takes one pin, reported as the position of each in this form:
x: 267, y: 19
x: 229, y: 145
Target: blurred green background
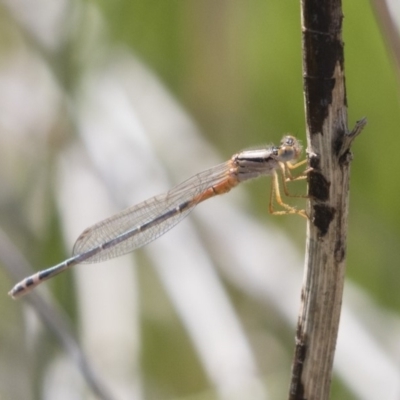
x: 235, y: 67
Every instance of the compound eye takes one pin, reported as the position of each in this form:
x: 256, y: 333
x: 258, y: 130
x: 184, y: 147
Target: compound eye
x: 288, y: 141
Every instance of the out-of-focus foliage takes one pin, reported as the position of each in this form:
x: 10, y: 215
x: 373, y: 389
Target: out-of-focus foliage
x: 235, y: 66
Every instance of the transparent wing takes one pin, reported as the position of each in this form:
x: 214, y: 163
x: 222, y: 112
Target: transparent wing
x: 160, y: 209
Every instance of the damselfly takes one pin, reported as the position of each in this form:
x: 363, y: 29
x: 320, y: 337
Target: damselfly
x: 146, y: 221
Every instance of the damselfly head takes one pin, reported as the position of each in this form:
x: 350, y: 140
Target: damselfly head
x: 289, y: 149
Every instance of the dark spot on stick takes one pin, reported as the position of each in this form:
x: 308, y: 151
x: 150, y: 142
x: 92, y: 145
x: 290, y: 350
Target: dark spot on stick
x: 315, y: 162
x: 346, y: 157
x: 318, y: 186
x: 323, y: 216
x: 296, y: 387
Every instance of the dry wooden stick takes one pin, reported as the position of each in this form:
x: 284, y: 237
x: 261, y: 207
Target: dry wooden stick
x: 329, y: 155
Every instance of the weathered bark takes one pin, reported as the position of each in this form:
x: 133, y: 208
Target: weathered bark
x: 329, y: 157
